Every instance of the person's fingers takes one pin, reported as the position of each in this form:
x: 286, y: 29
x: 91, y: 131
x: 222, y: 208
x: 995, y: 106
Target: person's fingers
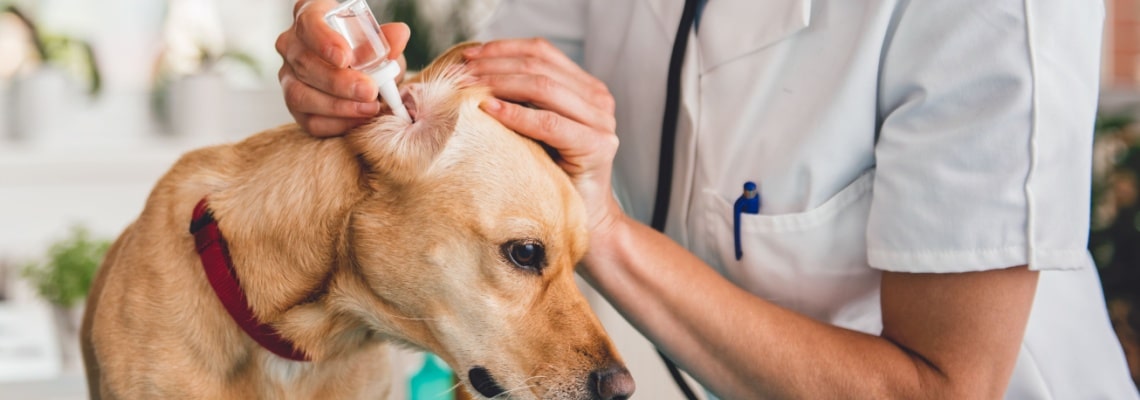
x: 322, y: 126
x: 541, y: 125
x: 527, y: 66
x: 397, y: 34
x: 305, y: 99
x: 341, y: 82
x: 549, y: 94
x: 537, y: 57
x: 310, y: 26
x: 571, y: 139
x: 534, y: 47
x: 319, y: 90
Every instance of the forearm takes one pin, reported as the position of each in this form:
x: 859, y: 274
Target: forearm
x: 737, y: 344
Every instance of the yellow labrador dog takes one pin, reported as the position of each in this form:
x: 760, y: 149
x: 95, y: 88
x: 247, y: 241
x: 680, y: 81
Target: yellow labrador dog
x: 283, y: 266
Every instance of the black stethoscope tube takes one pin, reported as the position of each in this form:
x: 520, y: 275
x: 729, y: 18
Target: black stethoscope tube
x: 668, y: 144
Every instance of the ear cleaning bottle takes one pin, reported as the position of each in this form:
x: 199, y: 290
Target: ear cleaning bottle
x: 355, y: 22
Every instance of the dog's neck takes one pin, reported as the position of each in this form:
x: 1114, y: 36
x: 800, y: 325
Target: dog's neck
x: 281, y: 212
x: 284, y: 211
x: 289, y: 243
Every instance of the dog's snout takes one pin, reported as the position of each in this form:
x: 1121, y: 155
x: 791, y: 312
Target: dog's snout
x: 612, y: 382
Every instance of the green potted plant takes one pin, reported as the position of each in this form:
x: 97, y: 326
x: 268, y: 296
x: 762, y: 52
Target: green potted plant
x: 63, y: 280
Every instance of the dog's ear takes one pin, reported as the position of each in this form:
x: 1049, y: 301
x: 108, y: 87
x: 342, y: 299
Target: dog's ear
x: 442, y: 64
x: 400, y: 152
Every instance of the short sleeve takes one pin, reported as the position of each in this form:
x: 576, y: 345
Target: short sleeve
x: 562, y: 22
x: 983, y: 155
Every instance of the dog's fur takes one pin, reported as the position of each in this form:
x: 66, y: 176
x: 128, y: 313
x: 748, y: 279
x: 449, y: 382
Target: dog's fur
x: 391, y: 234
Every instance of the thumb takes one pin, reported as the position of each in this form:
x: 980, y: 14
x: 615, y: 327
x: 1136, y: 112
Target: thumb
x: 397, y: 34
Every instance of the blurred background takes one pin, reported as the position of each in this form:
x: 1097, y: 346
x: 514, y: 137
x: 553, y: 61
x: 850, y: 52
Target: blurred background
x: 99, y: 98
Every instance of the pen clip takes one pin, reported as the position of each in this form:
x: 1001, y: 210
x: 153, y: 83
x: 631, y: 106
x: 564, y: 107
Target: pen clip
x: 748, y: 202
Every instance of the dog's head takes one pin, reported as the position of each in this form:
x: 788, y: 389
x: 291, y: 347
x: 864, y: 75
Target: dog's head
x: 468, y: 241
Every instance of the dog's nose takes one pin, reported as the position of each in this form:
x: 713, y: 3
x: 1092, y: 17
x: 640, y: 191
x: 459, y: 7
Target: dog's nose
x: 612, y: 382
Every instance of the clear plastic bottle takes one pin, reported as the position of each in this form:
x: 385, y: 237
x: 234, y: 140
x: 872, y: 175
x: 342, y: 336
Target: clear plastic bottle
x: 354, y: 21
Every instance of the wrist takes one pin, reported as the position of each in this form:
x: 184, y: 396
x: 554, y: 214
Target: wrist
x: 608, y: 220
x: 607, y: 235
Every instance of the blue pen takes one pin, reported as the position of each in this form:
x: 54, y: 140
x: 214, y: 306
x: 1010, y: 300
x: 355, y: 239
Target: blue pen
x: 748, y: 202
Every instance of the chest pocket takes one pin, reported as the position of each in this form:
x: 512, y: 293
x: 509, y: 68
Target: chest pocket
x: 813, y: 262
x: 737, y: 28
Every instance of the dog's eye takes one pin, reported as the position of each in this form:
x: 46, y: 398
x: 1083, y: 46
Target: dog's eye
x: 525, y: 254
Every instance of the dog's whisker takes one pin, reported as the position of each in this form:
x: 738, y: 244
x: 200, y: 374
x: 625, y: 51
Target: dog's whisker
x: 549, y: 366
x: 533, y: 377
x: 551, y: 369
x: 508, y: 392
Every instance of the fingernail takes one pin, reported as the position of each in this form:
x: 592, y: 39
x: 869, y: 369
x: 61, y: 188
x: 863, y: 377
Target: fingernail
x: 492, y: 105
x: 473, y: 51
x: 368, y: 108
x: 363, y: 91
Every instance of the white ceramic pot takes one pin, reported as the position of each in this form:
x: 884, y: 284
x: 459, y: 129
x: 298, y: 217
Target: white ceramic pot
x: 43, y: 100
x: 198, y: 107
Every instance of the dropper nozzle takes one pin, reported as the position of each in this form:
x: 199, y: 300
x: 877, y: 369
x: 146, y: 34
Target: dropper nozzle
x: 391, y: 96
x: 385, y: 79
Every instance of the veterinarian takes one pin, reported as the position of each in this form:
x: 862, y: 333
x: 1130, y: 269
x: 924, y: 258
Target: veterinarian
x: 923, y: 172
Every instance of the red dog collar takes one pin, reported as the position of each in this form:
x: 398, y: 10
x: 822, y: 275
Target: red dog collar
x: 219, y: 269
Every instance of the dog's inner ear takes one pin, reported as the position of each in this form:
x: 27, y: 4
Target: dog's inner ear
x: 402, y: 150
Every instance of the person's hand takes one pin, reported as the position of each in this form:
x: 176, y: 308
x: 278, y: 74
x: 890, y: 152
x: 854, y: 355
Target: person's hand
x: 574, y: 115
x: 323, y: 94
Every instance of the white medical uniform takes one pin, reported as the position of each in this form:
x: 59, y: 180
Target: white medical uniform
x: 886, y: 135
